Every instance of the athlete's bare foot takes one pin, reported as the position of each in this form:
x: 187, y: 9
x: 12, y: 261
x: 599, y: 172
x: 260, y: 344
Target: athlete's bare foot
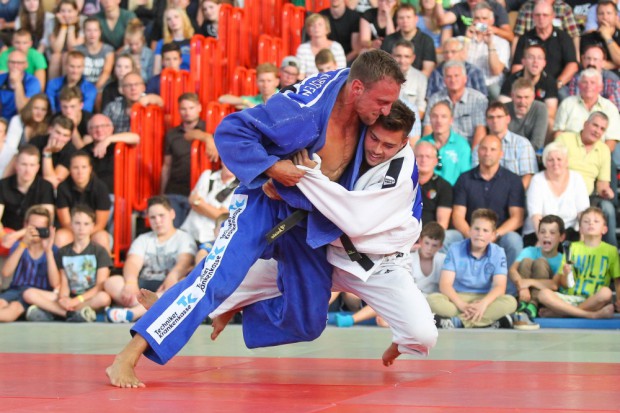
x: 147, y: 298
x: 605, y: 312
x: 220, y: 322
x: 390, y: 355
x: 122, y: 374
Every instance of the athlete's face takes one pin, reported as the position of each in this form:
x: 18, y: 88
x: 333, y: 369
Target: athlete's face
x: 381, y: 144
x: 374, y: 100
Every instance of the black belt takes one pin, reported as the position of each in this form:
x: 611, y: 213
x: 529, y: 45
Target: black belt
x: 354, y: 255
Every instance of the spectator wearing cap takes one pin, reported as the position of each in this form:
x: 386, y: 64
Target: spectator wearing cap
x: 289, y: 71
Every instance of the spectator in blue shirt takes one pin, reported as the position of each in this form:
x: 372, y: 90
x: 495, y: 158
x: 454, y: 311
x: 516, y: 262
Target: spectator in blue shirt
x: 16, y: 86
x: 171, y: 58
x: 74, y: 69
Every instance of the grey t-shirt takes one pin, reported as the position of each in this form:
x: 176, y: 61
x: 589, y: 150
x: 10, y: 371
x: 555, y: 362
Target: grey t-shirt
x: 93, y: 64
x: 533, y: 126
x: 160, y: 258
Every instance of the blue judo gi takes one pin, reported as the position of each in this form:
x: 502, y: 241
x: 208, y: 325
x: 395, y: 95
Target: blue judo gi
x: 249, y: 142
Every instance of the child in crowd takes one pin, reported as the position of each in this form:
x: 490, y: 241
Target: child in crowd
x: 585, y: 275
x: 325, y: 61
x: 473, y: 280
x: 135, y: 46
x: 156, y: 261
x: 427, y: 261
x: 534, y: 269
x: 84, y: 267
x: 30, y: 263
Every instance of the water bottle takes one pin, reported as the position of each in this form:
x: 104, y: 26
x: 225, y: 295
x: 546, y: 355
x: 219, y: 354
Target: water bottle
x: 570, y: 277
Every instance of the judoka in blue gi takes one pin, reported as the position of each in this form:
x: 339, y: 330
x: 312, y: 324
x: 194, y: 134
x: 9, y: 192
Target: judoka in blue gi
x: 325, y: 114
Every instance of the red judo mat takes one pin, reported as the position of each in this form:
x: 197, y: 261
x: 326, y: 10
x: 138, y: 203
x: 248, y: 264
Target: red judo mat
x: 76, y: 383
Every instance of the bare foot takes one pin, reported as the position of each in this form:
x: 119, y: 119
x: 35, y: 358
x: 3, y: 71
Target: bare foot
x: 605, y: 312
x: 220, y: 322
x: 147, y: 298
x: 381, y: 322
x: 122, y: 374
x: 390, y: 355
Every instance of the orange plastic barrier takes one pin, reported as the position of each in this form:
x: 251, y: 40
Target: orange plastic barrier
x: 293, y: 18
x: 243, y: 82
x: 173, y: 84
x: 315, y: 6
x: 270, y: 50
x: 148, y: 122
x: 124, y: 184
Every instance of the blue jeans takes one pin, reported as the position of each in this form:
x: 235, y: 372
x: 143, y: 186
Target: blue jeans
x: 180, y: 204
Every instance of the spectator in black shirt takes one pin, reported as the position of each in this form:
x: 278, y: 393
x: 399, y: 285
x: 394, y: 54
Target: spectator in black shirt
x: 345, y: 25
x: 436, y: 191
x: 56, y: 150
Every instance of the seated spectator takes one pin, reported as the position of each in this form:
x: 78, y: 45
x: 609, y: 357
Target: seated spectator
x: 16, y: 86
x: 175, y: 173
x: 100, y: 146
x: 467, y: 105
x: 575, y: 110
x: 472, y: 286
x: 345, y: 25
x: 560, y: 50
x: 156, y: 261
x: 591, y: 266
x: 427, y: 261
x: 113, y: 21
x: 429, y: 24
x: 528, y: 116
x: 494, y: 187
x: 99, y: 56
x: 546, y: 90
x: 486, y: 50
x: 171, y: 59
x: 591, y: 158
x: 460, y: 16
x: 36, y: 63
x: 132, y: 91
x: 84, y: 267
x: 30, y: 264
x: 123, y: 65
x: 453, y: 49
x: 425, y: 57
x: 40, y: 23
x: 178, y: 29
x: 376, y: 23
x: 594, y: 58
x: 267, y: 82
x: 135, y: 46
x: 413, y: 91
x: 592, y: 18
x: 561, y: 13
x: 209, y: 199
x: 453, y: 150
x: 66, y: 36
x: 72, y: 106
x: 289, y: 71
x: 555, y: 191
x: 606, y: 34
x: 8, y: 149
x: 205, y: 248
x: 534, y: 270
x: 436, y: 191
x: 82, y: 187
x: 56, y: 150
x: 317, y: 28
x: 325, y: 61
x: 21, y: 191
x: 211, y: 15
x: 74, y: 69
x: 518, y: 153
x: 8, y: 15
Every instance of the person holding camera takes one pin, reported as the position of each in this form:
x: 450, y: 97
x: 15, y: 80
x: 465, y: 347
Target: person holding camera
x: 31, y: 264
x: 21, y: 191
x: 487, y: 50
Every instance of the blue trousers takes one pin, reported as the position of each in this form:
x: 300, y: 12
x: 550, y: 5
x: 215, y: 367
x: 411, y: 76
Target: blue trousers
x: 304, y: 279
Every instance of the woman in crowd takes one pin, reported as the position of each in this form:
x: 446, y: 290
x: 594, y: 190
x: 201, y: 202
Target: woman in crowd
x: 67, y: 34
x: 378, y: 22
x: 32, y: 120
x: 37, y: 21
x: 124, y: 64
x: 208, y: 17
x: 177, y: 29
x: 135, y: 46
x: 317, y: 27
x: 428, y: 24
x: 556, y: 190
x: 99, y: 56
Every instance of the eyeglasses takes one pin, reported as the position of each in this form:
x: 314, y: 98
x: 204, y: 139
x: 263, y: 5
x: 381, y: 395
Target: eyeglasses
x: 17, y: 62
x: 128, y: 85
x: 99, y: 126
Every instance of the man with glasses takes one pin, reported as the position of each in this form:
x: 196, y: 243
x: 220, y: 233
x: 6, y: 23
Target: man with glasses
x: 16, y: 86
x: 132, y: 91
x: 289, y: 71
x: 518, y: 153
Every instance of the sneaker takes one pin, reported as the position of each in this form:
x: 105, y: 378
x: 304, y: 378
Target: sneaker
x: 522, y: 321
x: 444, y: 322
x: 84, y: 315
x: 504, y: 322
x: 344, y: 320
x: 34, y: 313
x: 119, y: 315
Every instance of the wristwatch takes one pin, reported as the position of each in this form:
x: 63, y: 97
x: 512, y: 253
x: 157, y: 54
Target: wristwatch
x: 196, y: 202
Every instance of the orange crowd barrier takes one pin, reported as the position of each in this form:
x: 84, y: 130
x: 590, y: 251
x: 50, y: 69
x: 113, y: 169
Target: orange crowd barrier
x: 243, y: 82
x: 293, y: 18
x: 270, y: 50
x: 212, y: 82
x: 315, y: 6
x: 173, y: 84
x: 124, y: 184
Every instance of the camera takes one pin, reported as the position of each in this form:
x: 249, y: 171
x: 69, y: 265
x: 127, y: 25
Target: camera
x: 44, y: 232
x: 482, y: 27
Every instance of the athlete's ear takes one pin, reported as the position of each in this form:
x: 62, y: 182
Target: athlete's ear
x: 357, y: 87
